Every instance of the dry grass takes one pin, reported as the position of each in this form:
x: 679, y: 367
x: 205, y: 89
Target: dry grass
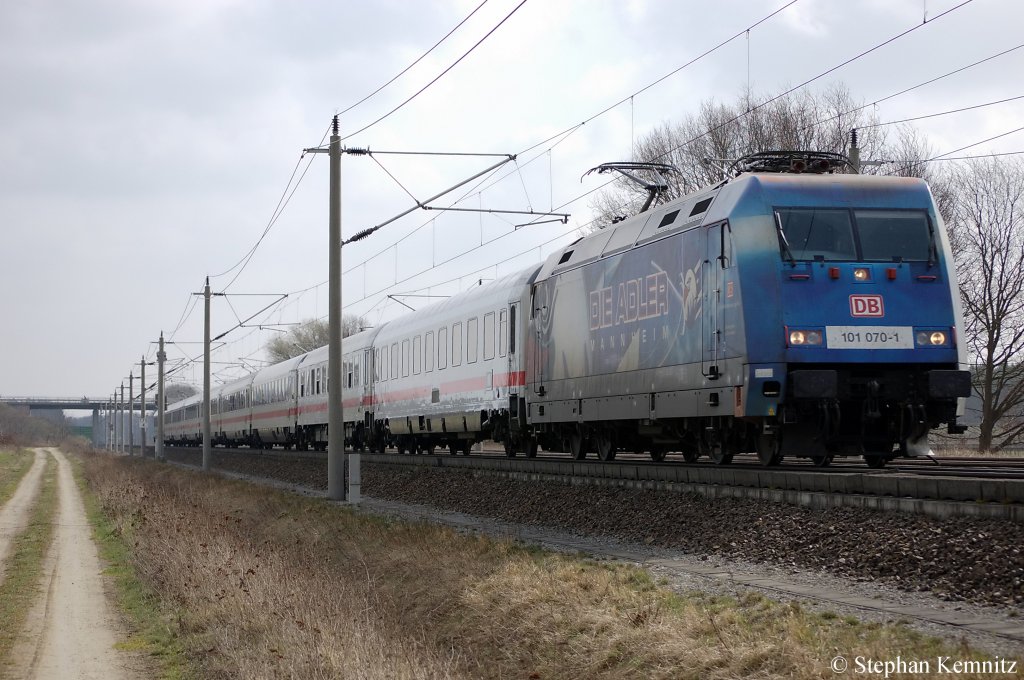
x: 14, y: 463
x: 23, y: 569
x: 262, y: 584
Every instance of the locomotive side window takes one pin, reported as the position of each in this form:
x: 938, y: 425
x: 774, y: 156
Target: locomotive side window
x: 442, y: 348
x: 428, y: 352
x: 889, y: 235
x: 457, y: 344
x: 488, y: 336
x: 809, y: 233
x: 472, y: 340
x: 502, y: 332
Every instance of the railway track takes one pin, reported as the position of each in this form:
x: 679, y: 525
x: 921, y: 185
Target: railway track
x: 938, y: 466
x: 988, y: 489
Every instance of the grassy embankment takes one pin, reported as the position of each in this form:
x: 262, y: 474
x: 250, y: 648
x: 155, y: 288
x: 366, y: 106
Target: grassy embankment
x: 23, y: 568
x: 14, y: 463
x: 256, y: 583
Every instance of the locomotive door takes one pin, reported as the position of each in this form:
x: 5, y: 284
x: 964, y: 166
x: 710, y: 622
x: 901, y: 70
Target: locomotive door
x: 712, y: 273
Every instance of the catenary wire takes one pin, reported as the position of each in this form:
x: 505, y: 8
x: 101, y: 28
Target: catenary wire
x: 941, y: 113
x: 911, y: 88
x: 439, y: 76
x: 418, y: 60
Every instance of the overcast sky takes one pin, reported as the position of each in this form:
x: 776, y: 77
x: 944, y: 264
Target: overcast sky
x: 145, y: 145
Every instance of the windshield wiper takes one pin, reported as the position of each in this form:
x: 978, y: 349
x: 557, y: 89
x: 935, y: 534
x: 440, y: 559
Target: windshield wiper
x: 783, y: 240
x: 933, y: 254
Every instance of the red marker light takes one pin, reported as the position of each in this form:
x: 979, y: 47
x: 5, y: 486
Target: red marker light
x: 891, y: 273
x: 833, y: 272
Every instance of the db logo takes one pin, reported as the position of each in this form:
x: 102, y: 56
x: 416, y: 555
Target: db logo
x: 866, y: 305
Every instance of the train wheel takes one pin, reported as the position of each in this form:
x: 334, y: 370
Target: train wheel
x: 453, y: 448
x: 510, y: 448
x: 769, y: 449
x: 427, y: 450
x: 718, y: 455
x: 577, y: 446
x: 466, y: 447
x: 530, y: 447
x: 605, y: 445
x: 658, y: 454
x: 721, y: 458
x: 822, y: 461
x: 690, y: 454
x: 875, y: 462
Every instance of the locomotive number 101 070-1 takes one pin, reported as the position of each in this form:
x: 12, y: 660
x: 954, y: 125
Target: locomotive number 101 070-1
x: 869, y: 337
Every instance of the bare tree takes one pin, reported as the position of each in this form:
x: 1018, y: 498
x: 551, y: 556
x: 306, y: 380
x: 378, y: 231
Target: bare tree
x: 178, y: 391
x: 702, y: 145
x: 986, y: 226
x: 19, y: 428
x: 308, y: 336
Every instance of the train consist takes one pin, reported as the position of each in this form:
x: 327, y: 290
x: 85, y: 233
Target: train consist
x: 786, y: 312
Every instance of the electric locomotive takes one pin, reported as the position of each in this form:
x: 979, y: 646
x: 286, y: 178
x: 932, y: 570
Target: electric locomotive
x: 786, y: 311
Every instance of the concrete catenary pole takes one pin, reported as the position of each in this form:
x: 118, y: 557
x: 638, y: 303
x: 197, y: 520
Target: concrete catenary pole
x: 131, y: 413
x: 207, y: 449
x: 335, y: 412
x: 110, y: 422
x: 120, y: 429
x: 161, y: 356
x: 142, y: 409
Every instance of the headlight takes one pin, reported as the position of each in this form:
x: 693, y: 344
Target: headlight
x: 861, y: 274
x: 931, y: 339
x: 804, y: 337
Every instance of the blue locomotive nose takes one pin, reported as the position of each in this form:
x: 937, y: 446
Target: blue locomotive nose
x: 865, y: 328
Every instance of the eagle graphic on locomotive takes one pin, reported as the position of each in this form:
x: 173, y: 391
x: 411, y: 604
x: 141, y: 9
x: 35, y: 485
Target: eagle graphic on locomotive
x: 790, y: 310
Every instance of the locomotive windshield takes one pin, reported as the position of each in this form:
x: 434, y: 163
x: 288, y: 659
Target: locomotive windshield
x: 862, y: 235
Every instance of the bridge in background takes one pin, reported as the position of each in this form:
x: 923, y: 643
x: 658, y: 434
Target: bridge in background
x: 70, y: 404
x: 100, y: 432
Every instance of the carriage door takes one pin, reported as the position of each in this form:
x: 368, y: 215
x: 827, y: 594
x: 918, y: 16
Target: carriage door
x: 713, y: 269
x: 509, y: 335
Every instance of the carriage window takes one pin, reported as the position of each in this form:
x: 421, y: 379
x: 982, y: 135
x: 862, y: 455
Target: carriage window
x: 405, y: 358
x: 428, y: 352
x: 892, y: 235
x: 394, y: 360
x: 502, y: 331
x: 417, y: 353
x: 318, y: 376
x: 442, y: 348
x: 809, y: 233
x: 472, y: 340
x: 489, y: 336
x: 457, y: 344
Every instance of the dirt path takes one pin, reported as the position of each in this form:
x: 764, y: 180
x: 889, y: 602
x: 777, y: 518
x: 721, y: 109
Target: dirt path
x: 72, y: 630
x: 14, y: 513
